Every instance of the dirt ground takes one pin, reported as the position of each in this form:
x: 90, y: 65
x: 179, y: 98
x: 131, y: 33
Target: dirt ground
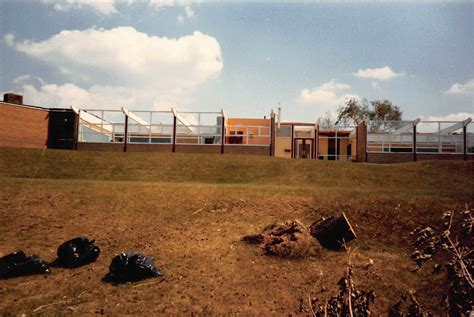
x: 193, y: 231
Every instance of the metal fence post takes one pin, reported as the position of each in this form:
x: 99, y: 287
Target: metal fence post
x: 315, y: 145
x: 222, y: 131
x: 414, y: 142
x: 174, y: 133
x: 292, y: 140
x: 76, y: 129
x: 272, y: 133
x: 464, y: 132
x: 126, y: 134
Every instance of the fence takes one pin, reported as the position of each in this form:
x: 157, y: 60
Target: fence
x: 337, y: 143
x: 439, y: 137
x: 199, y: 128
x: 101, y: 126
x: 169, y: 127
x: 390, y: 136
x: 470, y: 138
x: 424, y: 137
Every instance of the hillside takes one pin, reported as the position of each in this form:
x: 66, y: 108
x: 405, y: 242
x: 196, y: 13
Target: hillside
x: 189, y: 211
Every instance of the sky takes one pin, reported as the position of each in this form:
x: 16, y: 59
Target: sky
x: 245, y: 57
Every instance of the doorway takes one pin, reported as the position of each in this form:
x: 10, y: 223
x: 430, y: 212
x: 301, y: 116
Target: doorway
x: 61, y: 129
x: 333, y: 149
x: 303, y: 148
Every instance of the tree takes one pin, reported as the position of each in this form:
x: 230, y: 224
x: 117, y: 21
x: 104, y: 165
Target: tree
x: 356, y: 111
x: 326, y: 122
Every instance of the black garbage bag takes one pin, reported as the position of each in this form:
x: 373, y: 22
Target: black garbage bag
x: 77, y: 252
x: 129, y: 267
x: 18, y: 264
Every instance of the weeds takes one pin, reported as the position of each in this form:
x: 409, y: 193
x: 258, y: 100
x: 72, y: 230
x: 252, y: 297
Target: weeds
x: 450, y: 246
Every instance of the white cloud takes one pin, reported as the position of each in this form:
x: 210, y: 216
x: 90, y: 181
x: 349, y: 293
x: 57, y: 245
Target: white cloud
x: 170, y: 3
x: 66, y: 95
x: 375, y: 85
x: 460, y: 116
x: 124, y: 66
x: 188, y: 13
x: 383, y: 73
x: 21, y: 78
x: 9, y: 39
x: 462, y: 89
x: 326, y: 96
x: 106, y: 7
x: 27, y: 78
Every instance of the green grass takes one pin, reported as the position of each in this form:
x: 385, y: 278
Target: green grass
x: 436, y: 176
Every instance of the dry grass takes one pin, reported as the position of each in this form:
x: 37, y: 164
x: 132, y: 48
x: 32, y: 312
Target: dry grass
x: 189, y: 212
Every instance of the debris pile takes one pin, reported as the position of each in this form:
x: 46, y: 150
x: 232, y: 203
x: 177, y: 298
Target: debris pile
x: 290, y: 240
x: 409, y: 306
x: 129, y: 267
x: 451, y: 246
x: 19, y: 264
x: 350, y: 301
x: 77, y: 252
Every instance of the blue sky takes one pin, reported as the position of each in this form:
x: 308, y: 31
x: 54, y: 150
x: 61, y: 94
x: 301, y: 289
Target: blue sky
x: 244, y: 57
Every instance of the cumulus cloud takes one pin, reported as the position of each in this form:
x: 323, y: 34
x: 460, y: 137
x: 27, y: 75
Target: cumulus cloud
x: 124, y: 64
x: 326, y: 96
x: 125, y: 56
x: 99, y: 97
x: 383, y: 73
x: 106, y: 7
x: 462, y: 89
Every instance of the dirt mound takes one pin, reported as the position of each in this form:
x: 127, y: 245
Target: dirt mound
x: 290, y: 240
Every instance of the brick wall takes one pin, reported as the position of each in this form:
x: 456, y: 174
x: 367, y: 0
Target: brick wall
x: 149, y: 147
x: 408, y: 157
x: 361, y: 142
x: 23, y: 126
x: 89, y: 146
x: 204, y: 148
x: 389, y: 157
x: 443, y: 157
x: 250, y: 150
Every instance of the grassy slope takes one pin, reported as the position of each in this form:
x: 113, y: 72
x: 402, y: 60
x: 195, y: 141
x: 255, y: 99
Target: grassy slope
x: 189, y: 211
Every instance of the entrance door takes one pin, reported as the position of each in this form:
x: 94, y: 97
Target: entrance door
x: 303, y: 148
x: 61, y: 129
x: 333, y: 154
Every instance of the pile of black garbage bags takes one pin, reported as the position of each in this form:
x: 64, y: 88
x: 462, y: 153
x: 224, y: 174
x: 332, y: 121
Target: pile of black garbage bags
x: 125, y: 267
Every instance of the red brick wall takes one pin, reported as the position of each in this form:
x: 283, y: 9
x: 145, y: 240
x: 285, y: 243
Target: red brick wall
x: 113, y: 147
x: 22, y: 126
x: 250, y: 150
x: 203, y: 148
x: 408, y: 157
x: 361, y: 142
x: 444, y: 157
x: 131, y: 147
x: 389, y: 157
x: 118, y: 147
